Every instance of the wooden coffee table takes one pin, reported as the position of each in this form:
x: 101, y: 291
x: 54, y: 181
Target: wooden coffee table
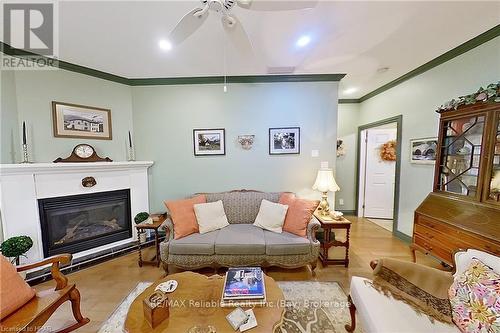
x: 186, y: 310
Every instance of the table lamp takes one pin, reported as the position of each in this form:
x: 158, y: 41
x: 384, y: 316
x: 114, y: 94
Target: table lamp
x: 324, y: 183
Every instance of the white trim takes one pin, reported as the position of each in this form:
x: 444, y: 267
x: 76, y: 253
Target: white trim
x: 38, y: 168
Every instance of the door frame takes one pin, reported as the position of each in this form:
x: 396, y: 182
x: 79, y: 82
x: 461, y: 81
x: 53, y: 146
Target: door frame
x: 399, y: 125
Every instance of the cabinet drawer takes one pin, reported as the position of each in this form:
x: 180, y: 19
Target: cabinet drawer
x: 434, y: 248
x: 444, y: 240
x: 453, y: 238
x: 436, y: 225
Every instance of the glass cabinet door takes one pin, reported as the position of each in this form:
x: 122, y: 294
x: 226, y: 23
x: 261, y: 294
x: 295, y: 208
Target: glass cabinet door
x: 461, y: 156
x: 493, y: 179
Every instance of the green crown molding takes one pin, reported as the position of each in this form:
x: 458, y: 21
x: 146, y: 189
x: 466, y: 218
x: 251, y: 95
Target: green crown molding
x: 7, y: 49
x: 348, y: 100
x: 459, y: 50
x: 237, y: 79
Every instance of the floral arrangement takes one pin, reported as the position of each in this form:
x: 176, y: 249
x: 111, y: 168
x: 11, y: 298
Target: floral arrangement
x: 490, y: 94
x: 388, y: 151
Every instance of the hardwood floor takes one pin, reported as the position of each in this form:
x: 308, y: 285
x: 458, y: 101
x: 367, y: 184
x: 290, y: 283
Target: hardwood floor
x: 104, y: 286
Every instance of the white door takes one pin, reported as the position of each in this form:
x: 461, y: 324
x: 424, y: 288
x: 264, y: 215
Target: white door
x: 379, y: 175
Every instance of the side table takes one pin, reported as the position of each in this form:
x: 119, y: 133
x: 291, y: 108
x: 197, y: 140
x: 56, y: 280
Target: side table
x: 328, y: 224
x: 158, y: 220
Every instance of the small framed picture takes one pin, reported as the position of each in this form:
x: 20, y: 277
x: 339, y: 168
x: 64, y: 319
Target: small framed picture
x: 423, y: 151
x: 80, y: 121
x: 209, y: 142
x: 284, y: 140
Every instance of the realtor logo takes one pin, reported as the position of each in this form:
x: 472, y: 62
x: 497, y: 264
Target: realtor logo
x: 29, y: 26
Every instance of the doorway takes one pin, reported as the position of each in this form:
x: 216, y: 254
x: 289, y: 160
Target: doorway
x: 378, y: 178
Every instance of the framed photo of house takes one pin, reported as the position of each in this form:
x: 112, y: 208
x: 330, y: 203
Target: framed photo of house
x: 80, y: 121
x: 423, y: 151
x: 209, y: 142
x: 284, y: 140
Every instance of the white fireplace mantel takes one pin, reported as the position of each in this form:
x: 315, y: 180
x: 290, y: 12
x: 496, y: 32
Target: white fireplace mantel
x: 39, y: 168
x: 21, y: 185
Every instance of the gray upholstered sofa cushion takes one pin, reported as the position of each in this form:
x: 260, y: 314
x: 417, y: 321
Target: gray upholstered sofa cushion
x: 242, y: 207
x: 285, y: 243
x: 194, y: 244
x: 240, y: 239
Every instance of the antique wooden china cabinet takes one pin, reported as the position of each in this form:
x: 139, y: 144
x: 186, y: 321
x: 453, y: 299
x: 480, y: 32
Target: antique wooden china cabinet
x: 463, y: 211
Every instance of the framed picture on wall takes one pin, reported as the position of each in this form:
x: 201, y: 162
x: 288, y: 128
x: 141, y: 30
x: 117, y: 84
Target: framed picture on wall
x: 423, y: 151
x: 80, y: 121
x: 284, y: 140
x: 209, y: 142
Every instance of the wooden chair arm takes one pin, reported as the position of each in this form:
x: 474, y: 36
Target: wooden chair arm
x: 61, y: 280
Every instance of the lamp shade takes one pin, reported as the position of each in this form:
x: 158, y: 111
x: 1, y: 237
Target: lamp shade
x: 325, y: 181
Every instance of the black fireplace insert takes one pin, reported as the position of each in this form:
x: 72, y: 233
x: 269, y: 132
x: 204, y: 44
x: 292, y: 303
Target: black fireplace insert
x: 77, y: 223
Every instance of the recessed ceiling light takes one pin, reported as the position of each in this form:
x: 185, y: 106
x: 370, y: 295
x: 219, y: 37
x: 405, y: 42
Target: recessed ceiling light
x: 303, y: 41
x: 165, y: 45
x: 349, y: 91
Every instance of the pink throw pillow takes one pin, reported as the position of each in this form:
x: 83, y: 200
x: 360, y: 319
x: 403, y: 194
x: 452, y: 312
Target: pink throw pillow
x: 299, y: 213
x: 183, y: 216
x: 14, y: 291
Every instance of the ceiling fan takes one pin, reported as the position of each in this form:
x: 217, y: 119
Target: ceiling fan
x: 232, y: 26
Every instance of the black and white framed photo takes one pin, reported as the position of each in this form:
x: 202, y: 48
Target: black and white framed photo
x: 209, y: 142
x: 284, y: 140
x: 423, y: 151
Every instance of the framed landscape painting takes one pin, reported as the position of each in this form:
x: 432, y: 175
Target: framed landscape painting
x: 80, y: 121
x: 284, y: 140
x: 209, y: 142
x: 423, y: 151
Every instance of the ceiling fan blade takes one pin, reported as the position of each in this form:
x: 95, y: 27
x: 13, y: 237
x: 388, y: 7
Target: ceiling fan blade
x: 237, y: 34
x: 277, y: 5
x: 187, y: 26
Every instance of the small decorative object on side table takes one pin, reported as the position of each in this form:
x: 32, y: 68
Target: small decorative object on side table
x: 158, y: 220
x: 156, y: 308
x: 328, y: 223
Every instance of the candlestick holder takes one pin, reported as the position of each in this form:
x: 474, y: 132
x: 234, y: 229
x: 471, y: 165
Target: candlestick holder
x: 131, y: 154
x: 25, y: 154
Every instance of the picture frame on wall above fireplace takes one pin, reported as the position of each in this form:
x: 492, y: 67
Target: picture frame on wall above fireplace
x: 81, y: 121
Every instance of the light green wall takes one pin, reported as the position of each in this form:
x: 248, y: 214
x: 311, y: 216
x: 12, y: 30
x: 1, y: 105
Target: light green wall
x: 417, y: 99
x: 164, y: 117
x: 32, y: 93
x: 9, y: 124
x: 345, y: 175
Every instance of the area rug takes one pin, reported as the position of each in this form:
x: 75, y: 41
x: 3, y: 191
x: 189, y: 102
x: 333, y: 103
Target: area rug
x: 311, y: 307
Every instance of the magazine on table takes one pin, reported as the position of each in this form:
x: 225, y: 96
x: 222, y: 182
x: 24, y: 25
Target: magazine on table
x: 244, y: 283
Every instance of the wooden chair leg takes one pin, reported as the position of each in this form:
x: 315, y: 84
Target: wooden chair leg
x: 165, y: 268
x: 313, y: 267
x: 74, y: 298
x: 352, y: 310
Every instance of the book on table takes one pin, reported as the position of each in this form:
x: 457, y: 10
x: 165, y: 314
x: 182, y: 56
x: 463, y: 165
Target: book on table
x: 244, y: 285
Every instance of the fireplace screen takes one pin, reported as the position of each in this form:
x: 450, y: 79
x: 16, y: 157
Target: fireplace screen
x: 76, y: 223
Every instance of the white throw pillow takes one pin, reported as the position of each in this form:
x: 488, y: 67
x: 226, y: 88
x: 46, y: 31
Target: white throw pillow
x: 271, y: 216
x: 210, y: 216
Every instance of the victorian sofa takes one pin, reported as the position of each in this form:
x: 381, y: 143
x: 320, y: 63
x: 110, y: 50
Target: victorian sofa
x: 380, y: 313
x: 241, y: 243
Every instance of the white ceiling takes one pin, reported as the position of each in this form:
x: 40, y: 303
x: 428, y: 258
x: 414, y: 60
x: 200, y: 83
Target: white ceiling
x: 352, y: 37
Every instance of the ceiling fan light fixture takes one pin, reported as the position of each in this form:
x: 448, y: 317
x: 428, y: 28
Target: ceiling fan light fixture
x: 165, y: 45
x: 303, y: 41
